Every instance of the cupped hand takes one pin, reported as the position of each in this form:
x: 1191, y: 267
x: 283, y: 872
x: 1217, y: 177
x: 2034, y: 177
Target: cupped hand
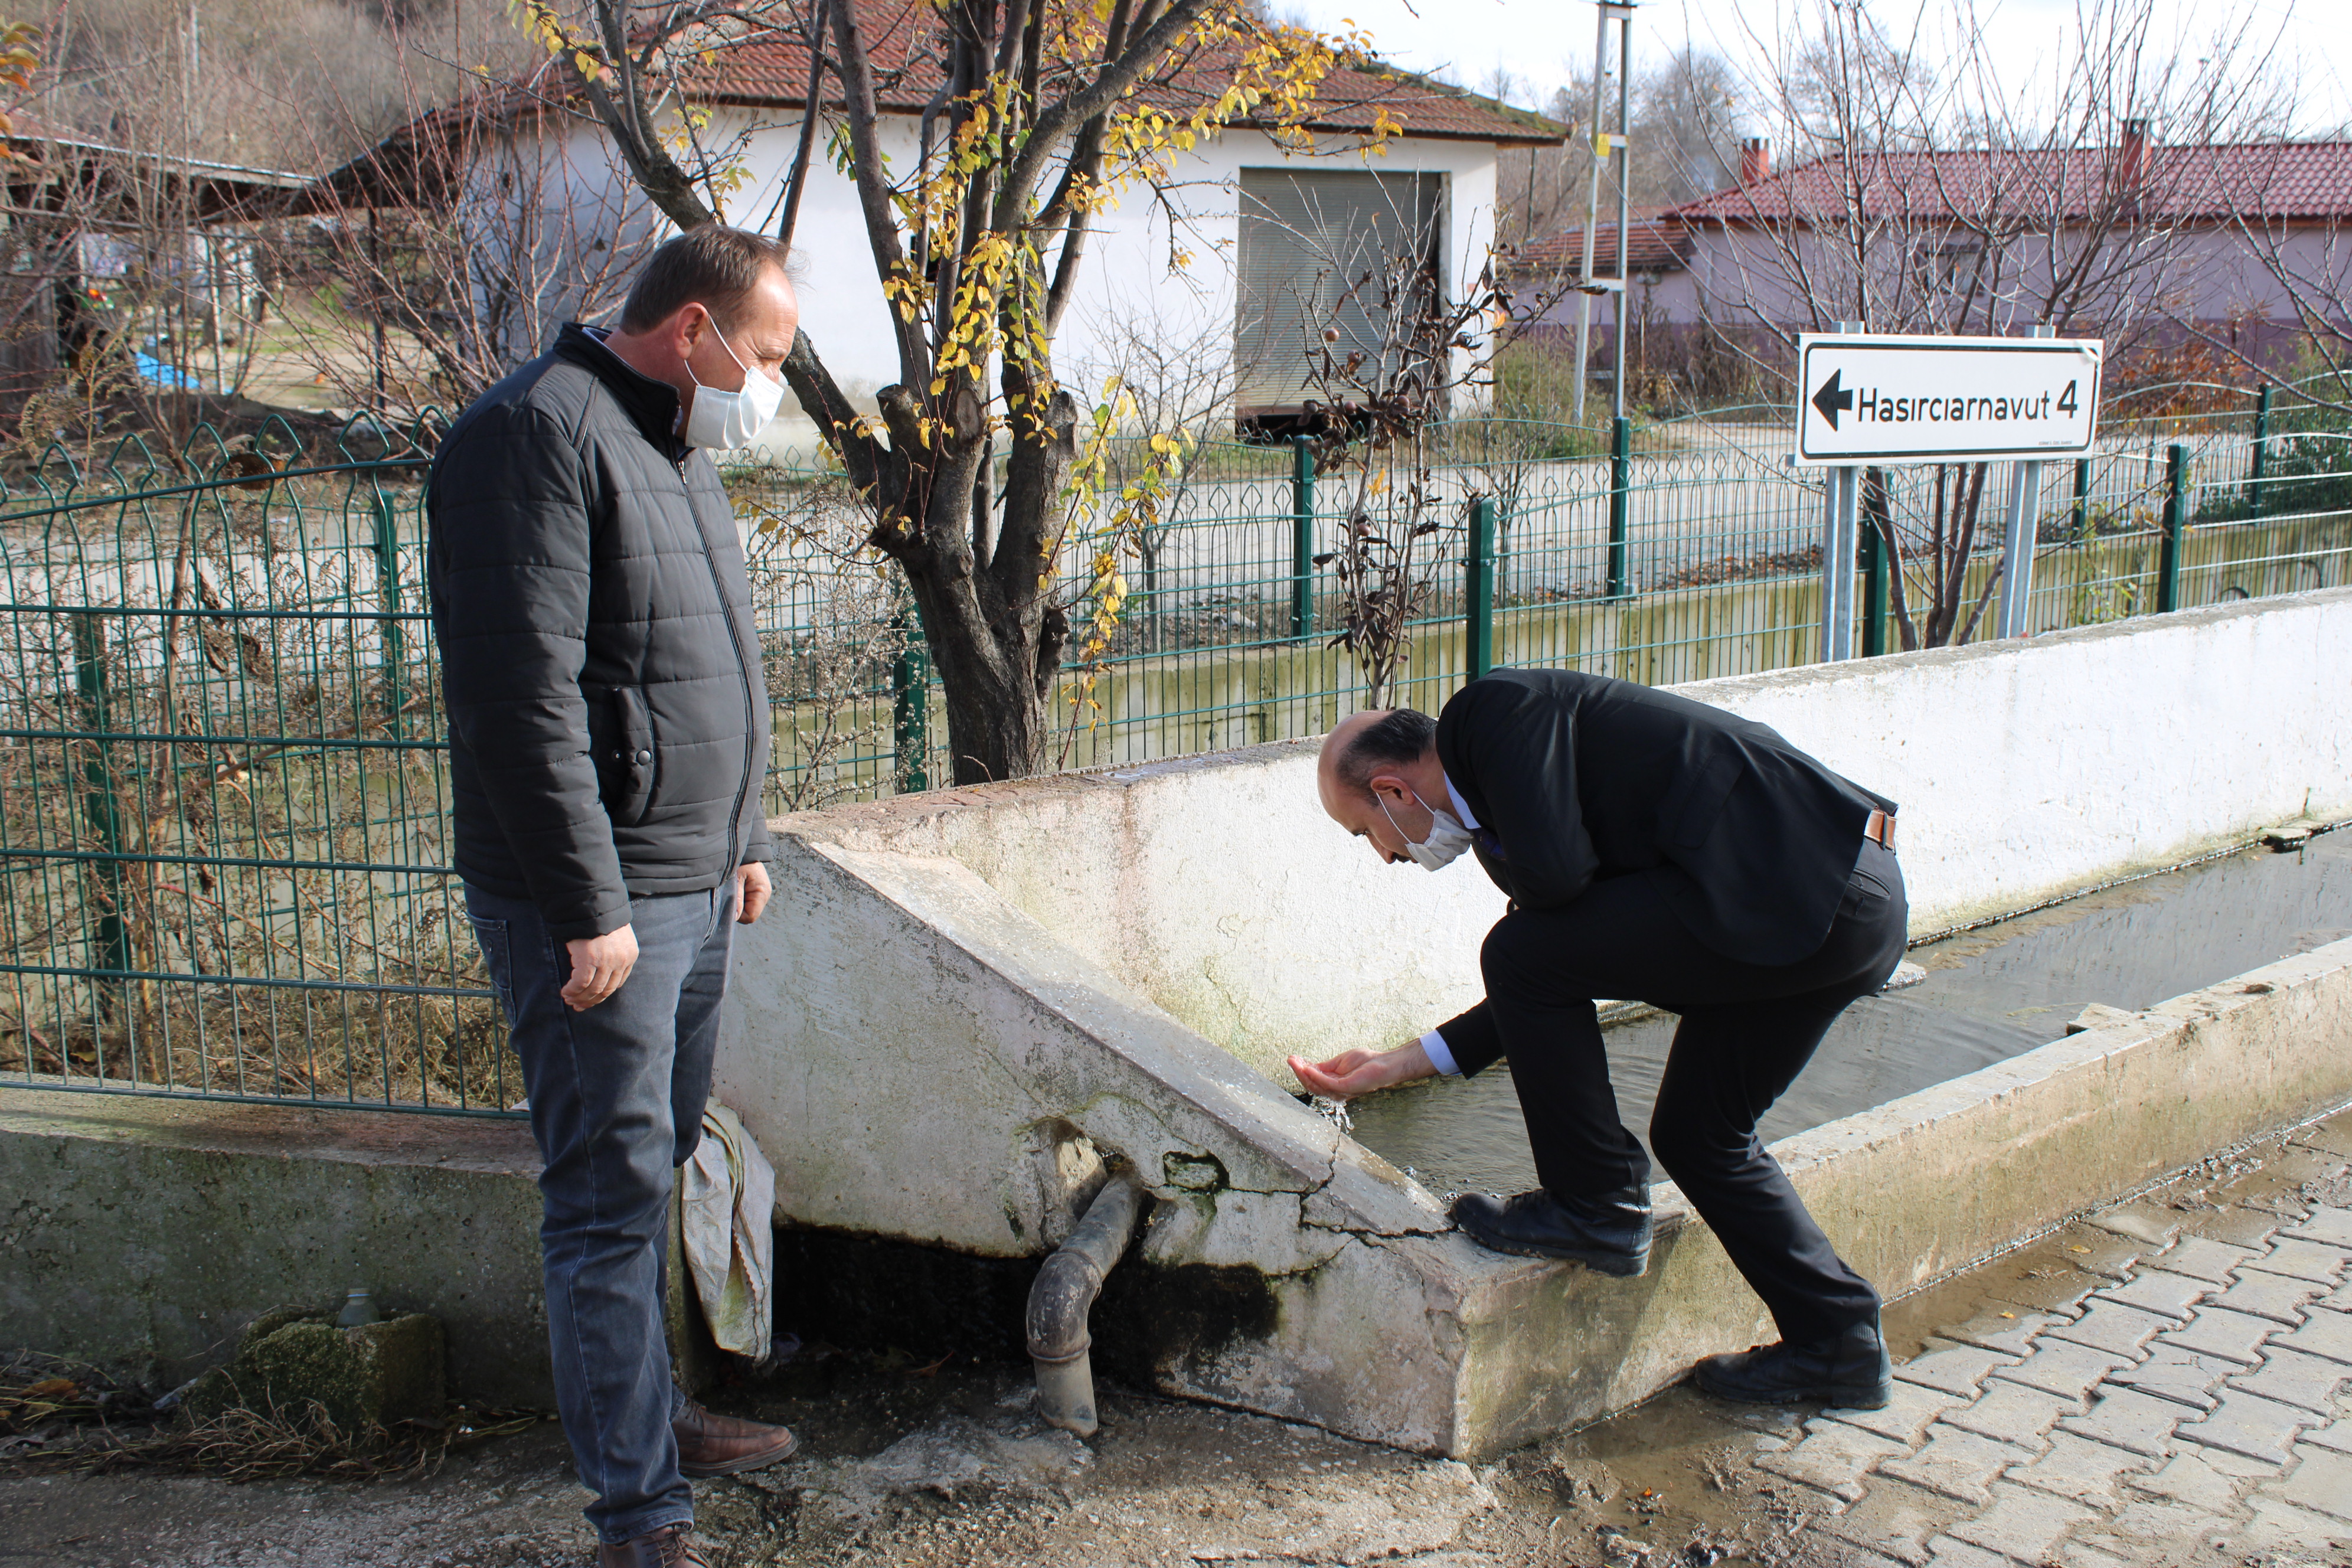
x: 1351, y: 1073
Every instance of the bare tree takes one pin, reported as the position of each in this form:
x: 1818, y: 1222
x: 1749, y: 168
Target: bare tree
x: 1044, y: 112
x: 1967, y: 199
x: 1687, y: 119
x: 421, y: 270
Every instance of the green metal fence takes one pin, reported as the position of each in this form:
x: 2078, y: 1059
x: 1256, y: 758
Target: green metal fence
x: 223, y: 806
x: 222, y: 790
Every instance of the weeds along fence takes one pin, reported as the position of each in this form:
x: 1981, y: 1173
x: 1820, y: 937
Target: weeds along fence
x: 223, y: 801
x: 224, y: 844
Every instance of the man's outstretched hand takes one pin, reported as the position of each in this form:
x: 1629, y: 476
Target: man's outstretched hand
x: 1351, y: 1073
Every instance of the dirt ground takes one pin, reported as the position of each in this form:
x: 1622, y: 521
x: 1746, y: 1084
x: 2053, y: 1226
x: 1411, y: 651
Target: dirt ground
x: 911, y: 1465
x: 952, y: 1469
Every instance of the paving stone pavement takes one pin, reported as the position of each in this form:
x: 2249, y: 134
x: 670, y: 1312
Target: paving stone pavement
x: 2192, y: 1403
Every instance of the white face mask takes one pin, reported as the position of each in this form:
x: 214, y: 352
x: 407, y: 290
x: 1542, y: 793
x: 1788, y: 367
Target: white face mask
x: 1447, y: 837
x: 724, y: 421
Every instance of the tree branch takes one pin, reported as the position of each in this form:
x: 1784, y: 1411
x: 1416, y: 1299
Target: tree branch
x: 857, y: 73
x: 1057, y: 123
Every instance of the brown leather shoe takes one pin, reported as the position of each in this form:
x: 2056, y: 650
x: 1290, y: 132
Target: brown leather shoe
x: 670, y: 1548
x: 709, y: 1444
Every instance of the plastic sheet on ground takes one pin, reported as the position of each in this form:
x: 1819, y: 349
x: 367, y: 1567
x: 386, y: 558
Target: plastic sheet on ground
x: 729, y: 1201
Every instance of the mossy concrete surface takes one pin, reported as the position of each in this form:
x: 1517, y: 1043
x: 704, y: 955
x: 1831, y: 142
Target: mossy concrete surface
x: 149, y: 1234
x: 291, y: 1360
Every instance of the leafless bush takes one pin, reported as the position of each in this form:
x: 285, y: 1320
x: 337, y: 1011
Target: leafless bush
x: 828, y: 677
x: 1393, y: 355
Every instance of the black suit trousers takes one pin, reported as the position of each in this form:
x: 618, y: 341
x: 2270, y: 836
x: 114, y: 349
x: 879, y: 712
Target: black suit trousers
x: 1746, y: 1031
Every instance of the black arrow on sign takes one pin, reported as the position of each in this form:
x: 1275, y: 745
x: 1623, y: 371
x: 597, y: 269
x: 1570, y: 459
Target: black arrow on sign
x: 1830, y: 400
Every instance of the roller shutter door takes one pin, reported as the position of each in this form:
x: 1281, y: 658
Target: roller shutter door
x: 1307, y: 236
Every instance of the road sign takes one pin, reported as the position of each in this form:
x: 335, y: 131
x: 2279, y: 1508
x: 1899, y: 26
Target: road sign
x: 1893, y: 400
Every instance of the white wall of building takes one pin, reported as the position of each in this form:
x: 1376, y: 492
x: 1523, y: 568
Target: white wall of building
x: 1162, y: 261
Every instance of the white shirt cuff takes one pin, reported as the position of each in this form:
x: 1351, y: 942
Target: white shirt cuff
x: 1433, y: 1046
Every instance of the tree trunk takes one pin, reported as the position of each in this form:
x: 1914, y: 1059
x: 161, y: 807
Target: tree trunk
x: 996, y: 633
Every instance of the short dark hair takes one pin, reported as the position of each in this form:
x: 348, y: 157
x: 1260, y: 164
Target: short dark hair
x: 1395, y: 740
x: 714, y: 267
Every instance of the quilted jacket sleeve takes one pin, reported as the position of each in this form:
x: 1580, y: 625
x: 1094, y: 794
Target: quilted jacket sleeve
x: 511, y: 546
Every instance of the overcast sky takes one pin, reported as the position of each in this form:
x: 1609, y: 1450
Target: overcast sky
x: 1544, y: 40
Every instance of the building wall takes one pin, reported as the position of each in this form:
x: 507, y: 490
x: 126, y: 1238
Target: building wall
x: 1166, y: 268
x: 2211, y: 277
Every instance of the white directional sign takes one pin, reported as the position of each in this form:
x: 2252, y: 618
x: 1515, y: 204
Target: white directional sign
x: 1869, y: 399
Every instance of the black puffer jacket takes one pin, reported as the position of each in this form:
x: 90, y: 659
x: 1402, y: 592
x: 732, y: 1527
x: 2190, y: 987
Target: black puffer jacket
x: 608, y: 723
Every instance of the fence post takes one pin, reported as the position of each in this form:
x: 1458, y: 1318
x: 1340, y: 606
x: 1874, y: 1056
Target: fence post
x: 2176, y: 521
x: 1302, y: 536
x: 910, y: 707
x: 1620, y: 479
x: 110, y: 936
x: 387, y: 577
x: 1478, y: 601
x: 1873, y: 590
x: 2261, y: 448
x: 2082, y: 499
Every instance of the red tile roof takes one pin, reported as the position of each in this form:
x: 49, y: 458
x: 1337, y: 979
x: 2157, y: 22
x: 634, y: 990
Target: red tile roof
x: 1650, y: 247
x: 2294, y: 180
x: 771, y: 70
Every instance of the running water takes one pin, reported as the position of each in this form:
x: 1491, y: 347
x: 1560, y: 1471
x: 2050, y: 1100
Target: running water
x: 1989, y: 994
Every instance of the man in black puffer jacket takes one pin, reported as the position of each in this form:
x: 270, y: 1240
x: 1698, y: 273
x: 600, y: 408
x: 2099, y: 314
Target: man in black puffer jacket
x: 608, y: 733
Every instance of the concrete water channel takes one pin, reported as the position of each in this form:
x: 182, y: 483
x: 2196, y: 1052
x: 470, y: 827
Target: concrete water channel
x: 1988, y: 994
x: 997, y: 1001
x: 988, y: 1006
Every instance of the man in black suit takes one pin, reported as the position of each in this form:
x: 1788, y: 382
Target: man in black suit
x: 1651, y: 847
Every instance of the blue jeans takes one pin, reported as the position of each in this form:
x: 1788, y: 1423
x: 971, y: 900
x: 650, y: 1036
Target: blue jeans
x: 616, y: 1099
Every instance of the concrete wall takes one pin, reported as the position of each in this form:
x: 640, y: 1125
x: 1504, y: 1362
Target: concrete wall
x: 149, y: 1232
x: 987, y: 995
x: 924, y: 1061
x: 1215, y: 888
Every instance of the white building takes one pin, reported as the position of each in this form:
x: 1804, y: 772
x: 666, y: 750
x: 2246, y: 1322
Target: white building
x: 1215, y: 264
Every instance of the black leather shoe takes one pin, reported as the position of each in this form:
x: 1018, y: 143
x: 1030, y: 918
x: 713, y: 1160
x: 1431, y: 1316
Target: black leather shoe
x: 1611, y: 1232
x: 1850, y: 1371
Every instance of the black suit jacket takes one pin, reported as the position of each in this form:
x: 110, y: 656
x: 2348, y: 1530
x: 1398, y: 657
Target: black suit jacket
x: 1577, y: 777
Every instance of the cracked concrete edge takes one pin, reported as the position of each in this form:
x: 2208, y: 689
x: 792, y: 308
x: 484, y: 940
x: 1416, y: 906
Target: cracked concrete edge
x: 1028, y: 1032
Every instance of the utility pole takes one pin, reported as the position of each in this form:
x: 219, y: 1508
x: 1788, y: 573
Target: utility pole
x: 1607, y: 145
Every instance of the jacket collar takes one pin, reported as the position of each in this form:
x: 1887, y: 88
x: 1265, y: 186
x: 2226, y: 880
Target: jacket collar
x: 652, y: 405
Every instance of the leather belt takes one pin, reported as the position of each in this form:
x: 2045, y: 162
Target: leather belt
x: 1881, y: 828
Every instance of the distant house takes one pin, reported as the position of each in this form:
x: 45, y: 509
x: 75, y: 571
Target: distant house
x: 2171, y: 251
x: 156, y: 253
x: 1244, y: 246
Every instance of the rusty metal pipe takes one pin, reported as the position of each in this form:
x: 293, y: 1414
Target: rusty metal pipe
x: 1064, y: 1297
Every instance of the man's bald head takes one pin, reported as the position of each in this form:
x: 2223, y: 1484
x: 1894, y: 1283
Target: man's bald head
x: 1375, y: 764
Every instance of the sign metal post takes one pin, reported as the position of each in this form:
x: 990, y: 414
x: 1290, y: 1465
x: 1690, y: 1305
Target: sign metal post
x: 2018, y: 540
x: 1841, y: 542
